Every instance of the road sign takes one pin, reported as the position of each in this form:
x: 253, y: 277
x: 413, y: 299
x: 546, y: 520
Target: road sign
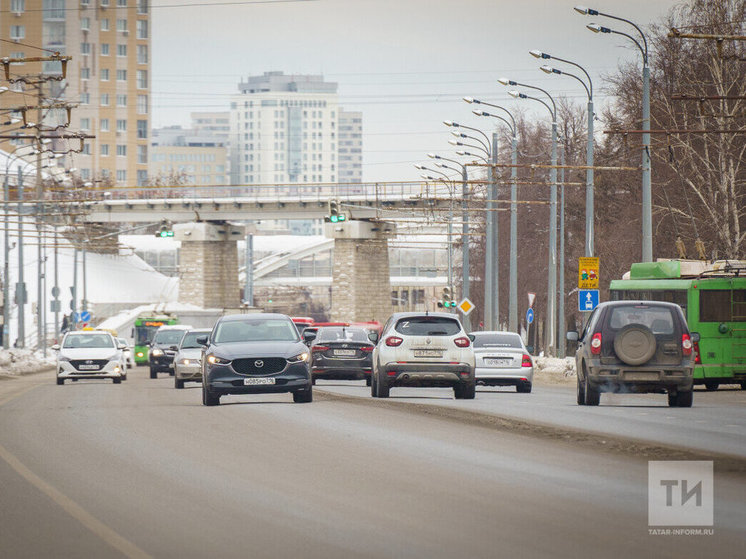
x: 85, y: 316
x: 55, y: 306
x: 587, y: 299
x: 465, y: 306
x: 55, y: 292
x: 588, y: 272
x: 531, y: 299
x: 529, y: 316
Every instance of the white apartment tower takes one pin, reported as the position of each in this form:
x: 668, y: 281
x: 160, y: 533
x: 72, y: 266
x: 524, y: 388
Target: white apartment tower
x: 285, y: 129
x: 350, y: 147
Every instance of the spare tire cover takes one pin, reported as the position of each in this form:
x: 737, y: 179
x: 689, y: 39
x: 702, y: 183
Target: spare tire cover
x: 635, y: 344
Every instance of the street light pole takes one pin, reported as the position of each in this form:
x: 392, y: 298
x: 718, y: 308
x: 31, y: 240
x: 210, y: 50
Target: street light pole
x: 6, y: 267
x: 20, y: 285
x: 647, y: 214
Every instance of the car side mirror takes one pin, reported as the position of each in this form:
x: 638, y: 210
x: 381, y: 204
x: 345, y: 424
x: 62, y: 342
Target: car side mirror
x: 373, y: 337
x: 174, y: 348
x: 56, y: 347
x: 572, y: 336
x: 309, y: 336
x: 121, y: 346
x: 695, y: 336
x: 202, y: 340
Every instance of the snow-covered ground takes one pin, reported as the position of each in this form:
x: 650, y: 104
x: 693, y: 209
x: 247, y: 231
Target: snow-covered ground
x: 553, y: 370
x: 15, y: 362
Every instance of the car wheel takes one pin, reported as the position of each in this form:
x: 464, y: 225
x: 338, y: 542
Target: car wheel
x: 153, y: 373
x: 592, y: 395
x: 117, y: 380
x: 60, y: 380
x: 209, y: 399
x: 368, y: 381
x: 373, y: 387
x: 672, y: 403
x: 171, y: 372
x: 743, y: 385
x: 468, y: 390
x: 382, y: 389
x: 581, y: 392
x: 124, y: 376
x: 523, y: 387
x: 711, y: 385
x: 303, y: 396
x: 313, y: 381
x: 178, y: 383
x: 684, y: 399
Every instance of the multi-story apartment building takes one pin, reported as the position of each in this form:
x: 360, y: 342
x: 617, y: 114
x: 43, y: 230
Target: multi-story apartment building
x: 109, y: 76
x: 286, y: 129
x: 350, y: 147
x: 216, y: 124
x: 199, y: 159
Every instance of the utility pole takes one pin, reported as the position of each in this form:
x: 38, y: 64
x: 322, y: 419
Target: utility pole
x: 20, y: 286
x: 40, y: 333
x: 465, y: 241
x: 6, y: 267
x: 249, y: 288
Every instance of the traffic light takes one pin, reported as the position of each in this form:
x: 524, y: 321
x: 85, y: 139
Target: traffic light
x: 334, y: 214
x: 165, y: 230
x: 447, y: 299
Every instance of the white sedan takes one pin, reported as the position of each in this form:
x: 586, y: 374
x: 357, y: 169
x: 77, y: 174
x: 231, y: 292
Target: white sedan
x: 502, y: 360
x: 90, y: 355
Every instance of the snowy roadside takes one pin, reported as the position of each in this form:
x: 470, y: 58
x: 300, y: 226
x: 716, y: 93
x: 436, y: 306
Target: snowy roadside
x: 15, y: 362
x: 552, y: 370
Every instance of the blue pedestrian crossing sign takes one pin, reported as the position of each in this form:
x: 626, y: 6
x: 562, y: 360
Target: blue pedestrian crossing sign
x: 587, y: 299
x: 529, y: 316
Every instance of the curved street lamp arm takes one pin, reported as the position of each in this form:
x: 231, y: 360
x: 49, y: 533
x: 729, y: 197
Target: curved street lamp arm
x: 545, y: 92
x: 644, y: 51
x: 435, y: 156
x: 551, y: 112
x: 480, y: 148
x: 590, y: 82
x: 512, y: 130
x: 476, y: 130
x: 485, y: 146
x: 644, y: 39
x: 588, y: 91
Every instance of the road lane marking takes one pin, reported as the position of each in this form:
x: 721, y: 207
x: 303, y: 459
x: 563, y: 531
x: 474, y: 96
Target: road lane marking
x: 118, y: 542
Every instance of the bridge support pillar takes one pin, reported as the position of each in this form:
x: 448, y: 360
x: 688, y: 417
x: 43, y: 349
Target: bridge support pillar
x: 361, y: 288
x: 208, y: 264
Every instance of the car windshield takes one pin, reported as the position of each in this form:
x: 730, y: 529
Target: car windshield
x: 658, y: 319
x: 168, y: 336
x: 79, y: 341
x: 190, y: 339
x: 342, y: 334
x: 428, y: 326
x: 122, y: 341
x: 498, y: 340
x: 258, y: 330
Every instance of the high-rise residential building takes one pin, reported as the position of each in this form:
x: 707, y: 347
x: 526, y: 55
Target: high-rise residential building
x: 188, y: 157
x: 285, y: 129
x: 350, y: 147
x: 109, y: 76
x: 216, y: 124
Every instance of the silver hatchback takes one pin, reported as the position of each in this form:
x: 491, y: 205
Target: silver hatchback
x: 188, y: 360
x: 502, y: 360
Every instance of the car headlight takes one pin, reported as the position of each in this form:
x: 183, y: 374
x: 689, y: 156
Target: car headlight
x: 215, y: 360
x: 156, y: 352
x: 185, y: 361
x: 140, y: 354
x: 298, y: 358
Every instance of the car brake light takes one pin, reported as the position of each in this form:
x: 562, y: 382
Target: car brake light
x: 462, y: 342
x: 526, y: 361
x: 596, y: 343
x: 319, y: 348
x: 686, y: 344
x: 394, y: 341
x: 367, y: 348
x: 697, y: 357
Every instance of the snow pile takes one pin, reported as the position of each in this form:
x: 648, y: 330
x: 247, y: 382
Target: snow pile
x: 24, y: 361
x: 555, y: 370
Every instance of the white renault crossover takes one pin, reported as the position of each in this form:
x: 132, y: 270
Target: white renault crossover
x: 423, y: 349
x: 503, y: 360
x: 90, y: 354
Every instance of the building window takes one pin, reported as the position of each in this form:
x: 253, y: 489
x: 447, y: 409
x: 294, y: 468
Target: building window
x: 142, y: 79
x: 121, y: 175
x: 104, y: 149
x: 85, y: 24
x: 142, y: 54
x: 121, y: 100
x: 142, y: 6
x: 121, y: 50
x: 85, y: 48
x: 17, y: 32
x: 142, y: 104
x: 105, y: 24
x: 122, y: 3
x: 104, y: 99
x: 142, y: 154
x: 85, y: 98
x: 105, y: 3
x: 122, y: 75
x: 104, y: 125
x: 104, y: 74
x: 142, y: 28
x: 85, y: 123
x: 121, y: 25
x: 85, y: 73
x: 121, y: 150
x: 142, y: 178
x: 104, y: 49
x: 85, y: 174
x: 121, y: 125
x: 142, y: 129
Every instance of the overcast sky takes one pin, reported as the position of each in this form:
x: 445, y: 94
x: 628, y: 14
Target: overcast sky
x: 404, y: 63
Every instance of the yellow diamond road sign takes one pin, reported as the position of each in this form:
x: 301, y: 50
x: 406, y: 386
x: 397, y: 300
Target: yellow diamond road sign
x: 465, y: 306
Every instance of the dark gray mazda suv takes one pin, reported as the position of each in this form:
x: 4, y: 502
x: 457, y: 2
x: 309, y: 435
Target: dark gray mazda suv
x: 253, y: 354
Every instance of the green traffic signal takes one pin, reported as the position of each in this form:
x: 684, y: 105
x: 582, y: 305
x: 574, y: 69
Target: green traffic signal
x: 334, y: 218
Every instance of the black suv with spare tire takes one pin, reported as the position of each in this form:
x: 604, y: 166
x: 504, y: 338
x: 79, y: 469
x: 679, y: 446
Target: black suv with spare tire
x: 629, y: 346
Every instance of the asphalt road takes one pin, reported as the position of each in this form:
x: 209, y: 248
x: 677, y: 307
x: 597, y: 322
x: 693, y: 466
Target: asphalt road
x: 716, y: 422
x: 93, y: 469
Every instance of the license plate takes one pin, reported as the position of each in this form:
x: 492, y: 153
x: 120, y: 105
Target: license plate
x: 497, y: 362
x: 428, y: 353
x: 88, y: 367
x: 345, y: 352
x: 255, y: 381
x: 643, y: 376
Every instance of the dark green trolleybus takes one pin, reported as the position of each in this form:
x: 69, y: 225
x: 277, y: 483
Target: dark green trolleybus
x: 713, y: 297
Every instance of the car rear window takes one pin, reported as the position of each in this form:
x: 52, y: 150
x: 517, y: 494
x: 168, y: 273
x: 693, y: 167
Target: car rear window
x: 168, y: 336
x: 428, y: 326
x: 342, y: 334
x: 497, y: 340
x: 190, y: 339
x: 660, y: 320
